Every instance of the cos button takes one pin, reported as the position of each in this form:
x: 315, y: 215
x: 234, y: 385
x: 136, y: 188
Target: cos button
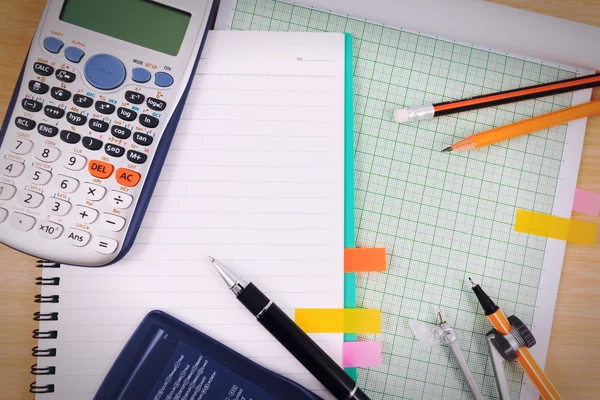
x: 127, y: 177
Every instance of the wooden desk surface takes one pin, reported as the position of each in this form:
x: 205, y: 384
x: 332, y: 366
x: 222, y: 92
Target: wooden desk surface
x: 574, y: 355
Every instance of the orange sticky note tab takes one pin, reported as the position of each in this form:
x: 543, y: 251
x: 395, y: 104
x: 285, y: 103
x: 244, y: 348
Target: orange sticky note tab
x: 338, y: 320
x: 364, y: 260
x: 550, y: 226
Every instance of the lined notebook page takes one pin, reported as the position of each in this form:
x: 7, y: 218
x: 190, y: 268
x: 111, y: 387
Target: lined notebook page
x: 254, y: 178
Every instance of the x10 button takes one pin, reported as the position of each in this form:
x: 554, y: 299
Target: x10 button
x: 50, y: 230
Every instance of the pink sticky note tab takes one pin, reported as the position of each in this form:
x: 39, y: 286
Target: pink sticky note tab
x: 361, y: 354
x: 586, y: 202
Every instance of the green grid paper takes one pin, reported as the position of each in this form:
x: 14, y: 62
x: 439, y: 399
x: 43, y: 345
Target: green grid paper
x: 442, y: 217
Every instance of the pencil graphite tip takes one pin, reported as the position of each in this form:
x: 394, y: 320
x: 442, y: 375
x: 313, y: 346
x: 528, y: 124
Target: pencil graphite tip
x: 447, y: 149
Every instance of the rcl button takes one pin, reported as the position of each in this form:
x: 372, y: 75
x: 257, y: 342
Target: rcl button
x: 100, y: 169
x: 127, y: 177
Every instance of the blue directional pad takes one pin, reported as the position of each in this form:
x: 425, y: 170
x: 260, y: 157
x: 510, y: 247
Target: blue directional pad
x: 104, y: 71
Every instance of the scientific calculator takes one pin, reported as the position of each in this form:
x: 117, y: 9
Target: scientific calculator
x: 90, y: 123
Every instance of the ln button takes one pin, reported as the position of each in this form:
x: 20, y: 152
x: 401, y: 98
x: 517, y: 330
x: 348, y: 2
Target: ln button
x: 127, y: 177
x: 100, y: 169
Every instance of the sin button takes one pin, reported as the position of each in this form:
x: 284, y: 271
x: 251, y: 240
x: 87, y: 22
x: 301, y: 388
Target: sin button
x: 127, y: 177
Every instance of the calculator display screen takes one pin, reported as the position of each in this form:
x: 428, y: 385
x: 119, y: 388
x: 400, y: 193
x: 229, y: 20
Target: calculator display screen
x: 142, y: 22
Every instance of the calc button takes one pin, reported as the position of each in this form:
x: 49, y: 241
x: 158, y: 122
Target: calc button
x: 105, y: 245
x: 120, y: 132
x: 100, y: 169
x: 156, y: 104
x: 119, y: 199
x: 47, y: 130
x: 43, y: 69
x: 77, y: 237
x: 12, y: 168
x: 136, y: 157
x: 70, y: 137
x: 83, y: 101
x: 114, y: 150
x: 24, y: 123
x: 148, y: 121
x: 134, y: 97
x: 31, y: 105
x: 104, y: 107
x: 127, y: 177
x: 22, y: 222
x: 7, y: 191
x: 92, y: 143
x: 50, y: 230
x: 76, y: 119
x: 98, y: 125
x: 54, y: 112
x: 126, y: 114
x: 60, y: 94
x: 38, y: 87
x: 65, y: 76
x: 143, y: 139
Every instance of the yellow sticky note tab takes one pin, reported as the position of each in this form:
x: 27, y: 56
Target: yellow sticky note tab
x: 338, y: 320
x: 550, y: 226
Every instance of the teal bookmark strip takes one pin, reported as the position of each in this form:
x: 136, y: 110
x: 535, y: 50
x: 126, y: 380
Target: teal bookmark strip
x: 349, y: 221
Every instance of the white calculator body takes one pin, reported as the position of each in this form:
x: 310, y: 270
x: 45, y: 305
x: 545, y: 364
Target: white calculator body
x: 90, y: 123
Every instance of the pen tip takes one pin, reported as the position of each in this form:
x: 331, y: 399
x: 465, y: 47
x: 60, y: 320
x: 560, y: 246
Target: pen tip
x: 211, y: 259
x: 472, y: 283
x: 447, y: 149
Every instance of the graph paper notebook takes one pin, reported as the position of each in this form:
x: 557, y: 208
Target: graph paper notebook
x: 255, y: 177
x: 444, y: 217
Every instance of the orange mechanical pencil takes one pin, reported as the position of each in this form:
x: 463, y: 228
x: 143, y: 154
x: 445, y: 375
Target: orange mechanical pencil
x: 524, y: 357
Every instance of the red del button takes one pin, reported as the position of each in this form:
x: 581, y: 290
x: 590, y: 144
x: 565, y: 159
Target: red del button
x: 127, y: 177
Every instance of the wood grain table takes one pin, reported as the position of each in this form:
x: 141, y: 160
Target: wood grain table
x: 574, y: 357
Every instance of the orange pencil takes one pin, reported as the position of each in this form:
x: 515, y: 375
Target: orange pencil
x: 524, y: 357
x: 527, y: 126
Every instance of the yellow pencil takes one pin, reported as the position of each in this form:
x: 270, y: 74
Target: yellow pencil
x: 526, y: 126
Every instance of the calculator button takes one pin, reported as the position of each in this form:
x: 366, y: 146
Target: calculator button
x: 148, y: 121
x: 104, y: 107
x: 104, y: 71
x: 52, y: 44
x: 127, y: 177
x: 82, y: 101
x: 7, y: 191
x: 100, y: 169
x: 66, y: 184
x: 60, y: 94
x: 114, y: 150
x: 134, y: 97
x: 74, y: 54
x: 126, y: 114
x: 140, y: 75
x: 50, y: 230
x: 136, y: 157
x: 24, y: 123
x: 21, y: 221
x: 38, y: 87
x: 120, y: 132
x: 76, y: 119
x: 93, y: 192
x: 43, y: 69
x: 85, y: 215
x: 38, y: 176
x: 105, y: 245
x: 91, y: 143
x: 98, y: 125
x: 143, y: 139
x: 57, y: 206
x: 19, y: 145
x: 47, y: 153
x: 30, y: 199
x: 111, y: 222
x: 31, y: 105
x: 47, y: 130
x: 12, y: 168
x: 54, y: 112
x: 119, y: 199
x: 3, y: 214
x: 65, y: 76
x: 70, y: 137
x: 156, y: 104
x: 75, y: 162
x: 163, y: 79
x: 77, y: 237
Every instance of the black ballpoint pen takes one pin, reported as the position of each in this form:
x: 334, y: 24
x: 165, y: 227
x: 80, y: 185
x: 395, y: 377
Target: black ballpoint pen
x: 291, y: 336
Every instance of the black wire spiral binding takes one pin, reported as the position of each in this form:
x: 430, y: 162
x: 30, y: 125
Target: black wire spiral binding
x: 49, y: 334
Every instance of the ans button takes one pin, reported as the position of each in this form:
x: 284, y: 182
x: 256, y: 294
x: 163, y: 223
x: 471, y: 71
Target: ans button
x: 77, y: 237
x: 52, y: 44
x: 74, y: 54
x: 140, y: 75
x: 104, y: 71
x: 127, y: 177
x: 100, y: 169
x: 163, y: 79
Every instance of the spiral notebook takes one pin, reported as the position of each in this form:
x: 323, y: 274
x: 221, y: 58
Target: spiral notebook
x: 255, y: 177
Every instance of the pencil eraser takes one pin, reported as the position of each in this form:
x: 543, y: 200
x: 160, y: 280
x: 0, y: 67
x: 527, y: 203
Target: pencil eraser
x: 401, y: 116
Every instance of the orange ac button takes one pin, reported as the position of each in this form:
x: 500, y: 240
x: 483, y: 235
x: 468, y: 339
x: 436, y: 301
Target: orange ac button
x: 127, y: 177
x: 100, y: 169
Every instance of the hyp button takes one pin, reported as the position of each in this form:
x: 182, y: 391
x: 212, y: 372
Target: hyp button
x: 104, y: 71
